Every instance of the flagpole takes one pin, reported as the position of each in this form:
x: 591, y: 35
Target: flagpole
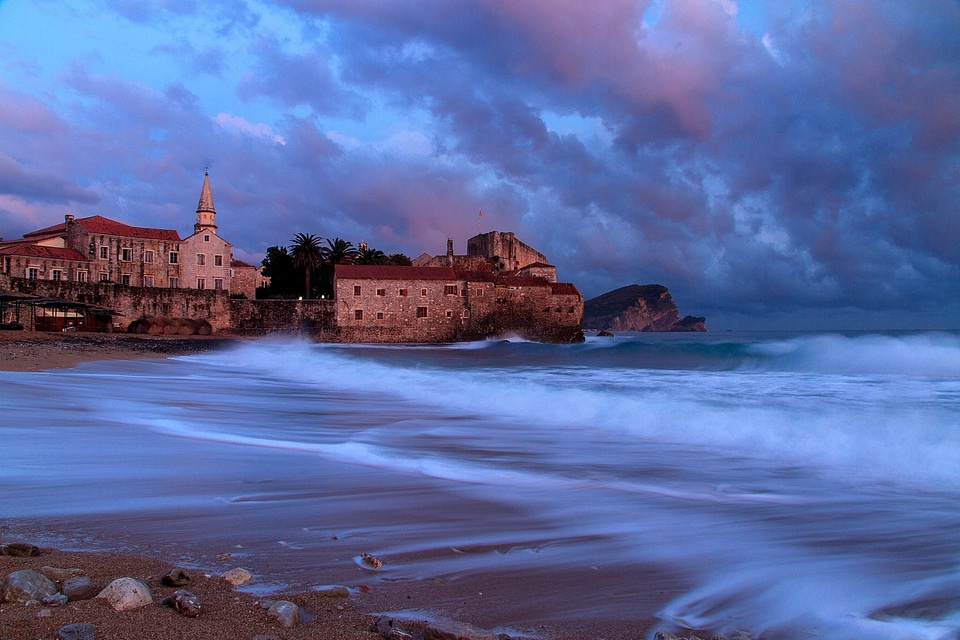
x: 479, y: 218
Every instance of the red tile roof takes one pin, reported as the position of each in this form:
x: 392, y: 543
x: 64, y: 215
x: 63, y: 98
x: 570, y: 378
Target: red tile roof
x: 106, y: 226
x: 374, y: 272
x: 564, y: 289
x: 39, y: 251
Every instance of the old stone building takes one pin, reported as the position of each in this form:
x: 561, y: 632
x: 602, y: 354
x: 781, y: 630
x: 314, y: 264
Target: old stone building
x: 448, y: 304
x: 98, y: 249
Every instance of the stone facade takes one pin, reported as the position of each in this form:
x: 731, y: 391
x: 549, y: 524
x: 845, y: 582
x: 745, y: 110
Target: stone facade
x: 130, y: 303
x: 98, y: 249
x: 314, y: 318
x: 465, y: 300
x: 443, y: 304
x: 512, y: 253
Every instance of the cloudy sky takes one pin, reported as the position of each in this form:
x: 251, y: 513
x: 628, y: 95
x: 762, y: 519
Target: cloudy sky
x: 788, y: 163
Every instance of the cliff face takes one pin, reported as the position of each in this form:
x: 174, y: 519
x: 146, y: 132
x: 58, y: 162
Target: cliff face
x: 638, y: 308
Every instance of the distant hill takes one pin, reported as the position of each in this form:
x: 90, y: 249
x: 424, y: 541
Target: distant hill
x: 637, y: 307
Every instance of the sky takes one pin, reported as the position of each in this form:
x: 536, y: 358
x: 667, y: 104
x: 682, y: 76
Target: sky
x: 777, y: 165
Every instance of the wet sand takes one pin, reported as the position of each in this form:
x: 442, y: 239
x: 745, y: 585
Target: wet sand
x: 232, y: 613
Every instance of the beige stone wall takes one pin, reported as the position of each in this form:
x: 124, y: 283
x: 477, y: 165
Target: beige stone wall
x: 245, y: 280
x: 430, y: 312
x: 513, y: 253
x: 125, y: 260
x: 313, y: 318
x: 19, y: 266
x: 205, y: 261
x: 371, y: 310
x: 134, y: 302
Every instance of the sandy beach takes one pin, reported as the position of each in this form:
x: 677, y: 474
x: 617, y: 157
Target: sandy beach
x: 229, y: 612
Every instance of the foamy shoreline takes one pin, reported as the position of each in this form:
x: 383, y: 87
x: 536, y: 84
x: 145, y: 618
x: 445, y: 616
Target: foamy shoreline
x: 229, y: 613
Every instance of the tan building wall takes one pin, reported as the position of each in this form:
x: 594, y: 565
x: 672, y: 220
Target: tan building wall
x: 414, y: 304
x: 206, y: 261
x: 513, y: 253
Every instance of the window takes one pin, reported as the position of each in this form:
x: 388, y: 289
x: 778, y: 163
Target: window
x: 103, y: 277
x: 421, y: 312
x: 33, y: 273
x: 174, y: 257
x: 381, y: 292
x: 466, y: 313
x: 450, y: 290
x: 104, y: 253
x: 126, y: 255
x: 449, y: 313
x: 206, y: 238
x: 173, y: 283
x: 480, y: 292
x: 201, y: 259
x: 81, y: 276
x: 201, y: 283
x: 218, y: 283
x: 379, y: 315
x: 148, y: 281
x: 463, y: 293
x: 148, y: 256
x: 403, y: 292
x: 125, y: 279
x: 356, y: 290
x: 56, y: 274
x: 218, y: 261
x: 423, y: 293
x: 358, y: 314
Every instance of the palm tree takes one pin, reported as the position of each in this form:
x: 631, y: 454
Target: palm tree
x: 371, y: 256
x: 339, y: 251
x: 306, y: 252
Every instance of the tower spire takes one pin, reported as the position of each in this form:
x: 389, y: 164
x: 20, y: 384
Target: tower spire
x: 206, y: 214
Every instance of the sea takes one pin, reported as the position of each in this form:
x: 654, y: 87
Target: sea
x: 790, y: 485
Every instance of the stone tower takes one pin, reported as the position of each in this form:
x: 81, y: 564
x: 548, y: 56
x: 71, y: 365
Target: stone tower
x: 206, y: 214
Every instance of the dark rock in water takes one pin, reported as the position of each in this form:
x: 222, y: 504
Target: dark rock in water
x: 443, y: 629
x: 176, y: 578
x: 184, y: 602
x: 370, y: 561
x: 691, y: 323
x: 78, y: 631
x: 19, y: 550
x: 389, y: 629
x: 604, y: 334
x: 79, y: 588
x: 26, y: 585
x: 637, y: 308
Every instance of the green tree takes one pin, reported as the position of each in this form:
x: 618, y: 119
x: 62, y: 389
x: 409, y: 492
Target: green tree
x: 371, y: 256
x: 337, y: 251
x: 399, y: 260
x: 306, y: 254
x: 285, y: 280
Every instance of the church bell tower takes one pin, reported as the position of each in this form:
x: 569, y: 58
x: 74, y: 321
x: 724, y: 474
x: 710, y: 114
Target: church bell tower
x: 206, y: 214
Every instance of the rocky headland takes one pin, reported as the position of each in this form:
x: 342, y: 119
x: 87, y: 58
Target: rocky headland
x: 637, y: 307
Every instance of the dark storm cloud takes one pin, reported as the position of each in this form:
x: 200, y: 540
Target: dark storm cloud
x: 801, y: 159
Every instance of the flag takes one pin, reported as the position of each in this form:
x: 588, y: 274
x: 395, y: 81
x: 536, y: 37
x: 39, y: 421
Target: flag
x: 481, y: 212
